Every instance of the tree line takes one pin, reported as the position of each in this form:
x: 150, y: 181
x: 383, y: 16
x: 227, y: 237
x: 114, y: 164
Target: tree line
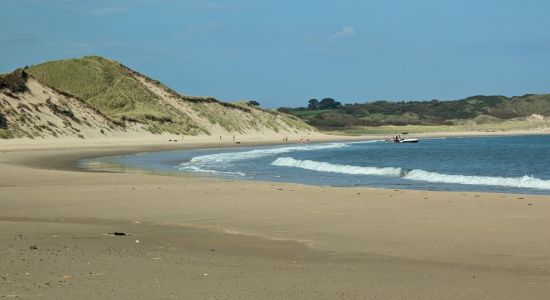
x: 325, y: 103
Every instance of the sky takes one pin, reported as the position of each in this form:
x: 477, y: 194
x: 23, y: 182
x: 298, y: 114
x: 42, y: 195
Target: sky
x: 285, y: 52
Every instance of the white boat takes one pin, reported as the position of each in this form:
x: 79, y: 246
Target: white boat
x: 403, y: 138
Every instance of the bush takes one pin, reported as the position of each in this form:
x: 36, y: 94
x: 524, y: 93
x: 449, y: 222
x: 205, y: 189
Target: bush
x: 15, y: 81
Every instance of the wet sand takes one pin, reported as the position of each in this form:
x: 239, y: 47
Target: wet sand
x: 205, y: 238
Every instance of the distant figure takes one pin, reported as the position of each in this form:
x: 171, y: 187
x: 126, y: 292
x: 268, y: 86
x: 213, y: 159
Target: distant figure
x: 233, y: 139
x: 220, y: 138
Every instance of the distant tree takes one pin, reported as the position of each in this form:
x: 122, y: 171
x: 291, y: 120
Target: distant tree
x: 329, y: 103
x: 254, y: 103
x: 313, y: 104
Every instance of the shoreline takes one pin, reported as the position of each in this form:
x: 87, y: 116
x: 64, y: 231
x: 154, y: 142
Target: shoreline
x: 68, y: 158
x: 19, y: 144
x: 110, y: 147
x: 249, y: 240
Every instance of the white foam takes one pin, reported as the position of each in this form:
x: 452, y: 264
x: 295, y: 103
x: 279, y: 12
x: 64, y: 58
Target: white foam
x: 335, y: 168
x: 417, y: 175
x: 518, y: 182
x: 227, y: 157
x: 211, y: 163
x: 201, y: 170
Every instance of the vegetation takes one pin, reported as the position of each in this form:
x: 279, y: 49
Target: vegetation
x: 112, y: 89
x: 3, y: 121
x: 60, y: 111
x: 14, y: 81
x: 483, y: 109
x: 5, y: 134
x: 325, y: 103
x: 82, y: 91
x: 502, y: 125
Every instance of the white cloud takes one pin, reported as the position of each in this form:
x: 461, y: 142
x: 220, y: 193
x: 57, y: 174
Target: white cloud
x: 345, y: 32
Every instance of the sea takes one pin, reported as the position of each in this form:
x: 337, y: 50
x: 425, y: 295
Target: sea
x: 509, y: 164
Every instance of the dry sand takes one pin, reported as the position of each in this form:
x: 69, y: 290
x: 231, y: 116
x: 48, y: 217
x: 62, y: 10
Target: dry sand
x: 204, y: 238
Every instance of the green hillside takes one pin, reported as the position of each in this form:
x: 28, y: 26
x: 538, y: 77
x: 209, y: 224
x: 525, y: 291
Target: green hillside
x: 476, y: 109
x: 112, y: 89
x: 93, y: 96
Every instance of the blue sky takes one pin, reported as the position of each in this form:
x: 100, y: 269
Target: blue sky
x: 282, y: 53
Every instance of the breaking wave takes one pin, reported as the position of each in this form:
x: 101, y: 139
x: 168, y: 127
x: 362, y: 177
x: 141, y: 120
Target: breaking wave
x: 518, y: 182
x: 335, y: 168
x: 417, y: 175
x: 227, y: 157
x: 211, y: 163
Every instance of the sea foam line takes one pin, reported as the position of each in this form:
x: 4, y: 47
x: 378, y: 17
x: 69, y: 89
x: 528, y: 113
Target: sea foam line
x: 518, y: 182
x: 335, y: 168
x: 211, y: 163
x: 417, y: 175
x: 227, y: 157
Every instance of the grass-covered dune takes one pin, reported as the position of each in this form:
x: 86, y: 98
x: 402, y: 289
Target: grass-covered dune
x: 112, y: 89
x: 132, y: 101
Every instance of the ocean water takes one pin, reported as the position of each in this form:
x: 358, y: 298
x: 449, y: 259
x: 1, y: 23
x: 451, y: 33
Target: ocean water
x: 514, y: 164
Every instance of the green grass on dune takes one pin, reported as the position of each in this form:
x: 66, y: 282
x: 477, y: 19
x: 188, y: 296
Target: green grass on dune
x: 110, y: 87
x: 115, y: 91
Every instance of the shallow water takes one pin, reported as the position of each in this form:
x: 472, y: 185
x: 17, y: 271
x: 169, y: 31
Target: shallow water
x: 517, y: 164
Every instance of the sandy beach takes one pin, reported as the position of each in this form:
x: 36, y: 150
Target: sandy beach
x: 250, y: 150
x: 188, y: 237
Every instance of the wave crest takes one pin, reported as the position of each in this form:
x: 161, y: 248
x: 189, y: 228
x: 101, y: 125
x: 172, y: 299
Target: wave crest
x: 211, y: 163
x: 335, y: 168
x: 417, y: 175
x: 518, y: 182
x: 227, y: 157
